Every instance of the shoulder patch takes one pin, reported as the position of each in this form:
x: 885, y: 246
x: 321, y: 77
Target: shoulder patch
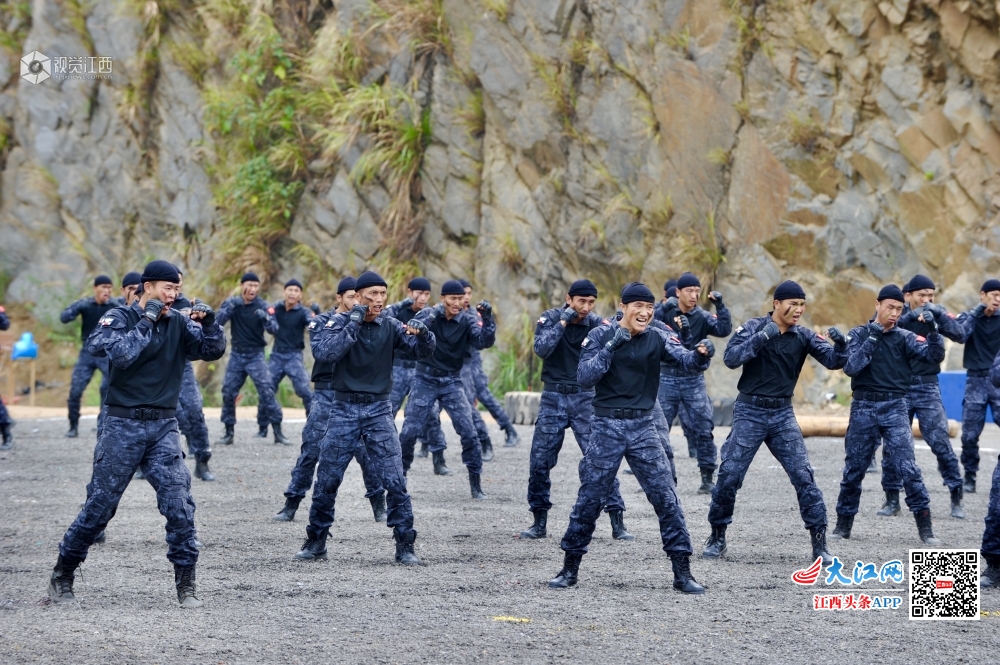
x: 606, y: 321
x: 270, y: 310
x: 739, y: 330
x: 586, y: 341
x: 329, y: 324
x: 542, y: 320
x: 950, y: 315
x: 106, y: 321
x: 312, y: 325
x: 714, y: 316
x: 921, y: 338
x: 674, y: 340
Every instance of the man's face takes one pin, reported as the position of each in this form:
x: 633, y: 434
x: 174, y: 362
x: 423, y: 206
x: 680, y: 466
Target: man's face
x: 346, y: 300
x: 374, y: 297
x: 583, y: 305
x: 454, y: 304
x: 467, y: 298
x: 165, y: 292
x: 887, y: 312
x: 102, y: 293
x: 293, y: 295
x: 991, y: 300
x: 636, y: 316
x: 688, y: 297
x: 419, y: 298
x: 249, y: 290
x: 788, y: 312
x: 920, y: 298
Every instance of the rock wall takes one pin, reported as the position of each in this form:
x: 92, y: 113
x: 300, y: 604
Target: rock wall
x: 841, y: 143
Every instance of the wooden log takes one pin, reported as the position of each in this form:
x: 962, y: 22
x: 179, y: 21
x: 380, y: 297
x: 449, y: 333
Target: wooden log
x: 836, y: 426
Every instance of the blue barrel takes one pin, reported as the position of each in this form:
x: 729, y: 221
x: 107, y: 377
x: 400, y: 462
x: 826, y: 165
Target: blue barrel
x: 953, y: 391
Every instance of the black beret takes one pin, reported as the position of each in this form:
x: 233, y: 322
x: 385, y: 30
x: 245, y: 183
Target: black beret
x: 788, y: 290
x: 102, y: 279
x: 160, y: 271
x: 991, y: 285
x: 293, y: 282
x: 637, y: 292
x: 686, y: 280
x: 346, y: 284
x: 890, y: 292
x: 582, y: 287
x: 131, y: 279
x: 419, y: 284
x: 452, y: 287
x: 249, y: 277
x: 918, y: 283
x: 368, y: 279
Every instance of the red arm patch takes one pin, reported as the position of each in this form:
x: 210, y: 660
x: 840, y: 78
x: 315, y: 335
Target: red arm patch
x: 270, y: 310
x: 921, y: 338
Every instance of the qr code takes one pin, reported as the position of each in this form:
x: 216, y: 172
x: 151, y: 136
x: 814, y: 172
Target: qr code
x: 944, y: 584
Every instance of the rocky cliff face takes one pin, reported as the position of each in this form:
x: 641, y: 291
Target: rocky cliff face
x: 844, y: 144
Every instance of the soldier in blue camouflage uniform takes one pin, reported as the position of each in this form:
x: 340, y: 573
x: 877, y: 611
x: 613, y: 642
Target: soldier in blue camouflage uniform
x: 5, y: 423
x: 91, y: 310
x: 682, y: 389
x: 250, y: 317
x: 880, y: 355
x: 991, y: 534
x: 982, y: 328
x: 559, y: 336
x: 620, y: 360
x: 286, y: 355
x: 924, y: 395
x: 669, y: 299
x: 318, y: 422
x: 418, y: 293
x: 362, y: 345
x: 146, y: 344
x: 772, y: 350
x: 438, y: 379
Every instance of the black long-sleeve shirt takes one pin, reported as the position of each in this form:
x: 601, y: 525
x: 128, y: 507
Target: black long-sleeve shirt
x: 147, y: 359
x: 561, y: 347
x: 90, y: 311
x: 454, y: 336
x: 982, y: 340
x: 291, y: 326
x: 771, y: 367
x: 246, y: 327
x: 886, y: 365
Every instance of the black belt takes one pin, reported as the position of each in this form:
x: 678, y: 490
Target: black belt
x: 622, y: 414
x: 978, y: 373
x: 360, y: 398
x: 248, y: 349
x: 140, y: 413
x: 673, y: 371
x: 408, y: 364
x: 923, y: 378
x: 439, y: 373
x: 871, y: 396
x: 322, y: 385
x: 287, y: 350
x: 563, y: 388
x: 765, y: 402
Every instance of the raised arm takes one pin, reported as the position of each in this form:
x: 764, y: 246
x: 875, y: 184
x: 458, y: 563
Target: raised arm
x: 547, y: 335
x: 930, y: 349
x: 335, y: 338
x: 595, y: 361
x: 271, y: 322
x: 831, y: 355
x: 225, y: 311
x: 690, y: 360
x: 861, y: 343
x: 749, y: 339
x: 484, y: 332
x: 721, y: 324
x: 72, y: 311
x: 205, y: 340
x: 113, y: 339
x: 420, y: 345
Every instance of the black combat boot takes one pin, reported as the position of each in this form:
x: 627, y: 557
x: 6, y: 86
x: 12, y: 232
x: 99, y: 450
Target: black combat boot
x: 439, y: 467
x: 102, y: 537
x: 618, y: 530
x: 991, y: 576
x: 404, y: 547
x: 843, y: 529
x: 8, y: 438
x: 74, y: 430
x: 475, y: 487
x: 184, y: 580
x: 314, y: 548
x: 279, y: 437
x: 956, y: 503
x: 287, y: 514
x: 424, y: 449
x: 61, y: 580
x: 684, y: 581
x: 487, y: 448
x: 261, y: 432
x: 227, y: 438
x: 378, y: 506
x: 201, y: 469
x: 537, y: 530
x: 512, y: 437
x: 891, y: 506
x: 570, y: 571
x: 706, y: 482
x: 715, y: 546
x: 970, y: 482
x: 923, y: 519
x: 818, y: 536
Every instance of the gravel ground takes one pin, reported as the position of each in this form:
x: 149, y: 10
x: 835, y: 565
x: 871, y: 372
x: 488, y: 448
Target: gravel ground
x: 263, y: 606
